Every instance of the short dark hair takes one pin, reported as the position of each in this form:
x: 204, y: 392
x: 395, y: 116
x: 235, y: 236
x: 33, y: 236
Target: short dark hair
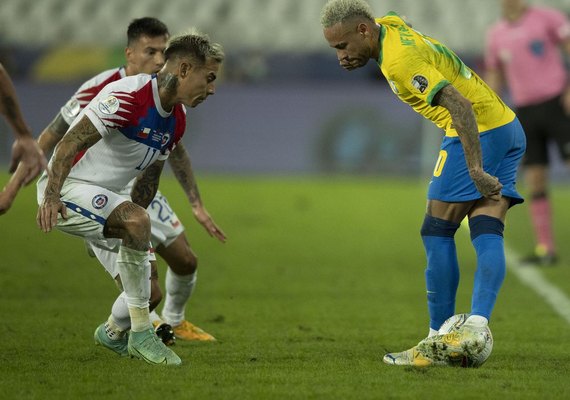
x: 195, y: 45
x: 148, y: 26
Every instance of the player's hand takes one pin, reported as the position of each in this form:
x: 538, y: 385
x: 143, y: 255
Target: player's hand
x: 488, y: 185
x: 208, y: 223
x: 48, y: 212
x: 27, y: 151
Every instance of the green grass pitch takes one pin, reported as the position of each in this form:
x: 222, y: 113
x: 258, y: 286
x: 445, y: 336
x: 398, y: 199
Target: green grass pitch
x: 319, y: 277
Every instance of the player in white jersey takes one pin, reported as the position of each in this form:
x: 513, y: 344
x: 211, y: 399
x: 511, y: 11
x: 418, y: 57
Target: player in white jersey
x: 147, y: 38
x: 128, y: 130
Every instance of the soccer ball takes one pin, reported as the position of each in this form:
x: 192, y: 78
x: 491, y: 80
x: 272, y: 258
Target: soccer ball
x: 454, y: 323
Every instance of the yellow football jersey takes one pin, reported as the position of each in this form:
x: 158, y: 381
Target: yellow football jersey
x: 417, y: 67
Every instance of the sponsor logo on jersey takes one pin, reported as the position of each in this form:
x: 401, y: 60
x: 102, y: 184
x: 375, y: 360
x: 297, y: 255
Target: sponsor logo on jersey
x: 143, y: 134
x: 109, y: 106
x: 420, y: 82
x: 99, y: 201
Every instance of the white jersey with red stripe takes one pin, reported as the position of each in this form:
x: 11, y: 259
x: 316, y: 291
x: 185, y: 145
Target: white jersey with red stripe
x: 88, y: 91
x: 136, y: 131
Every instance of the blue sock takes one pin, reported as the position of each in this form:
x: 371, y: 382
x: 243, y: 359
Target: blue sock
x: 442, y: 272
x: 487, y: 238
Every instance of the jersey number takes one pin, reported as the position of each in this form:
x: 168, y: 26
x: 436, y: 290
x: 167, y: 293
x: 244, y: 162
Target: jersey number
x: 440, y: 163
x: 164, y: 210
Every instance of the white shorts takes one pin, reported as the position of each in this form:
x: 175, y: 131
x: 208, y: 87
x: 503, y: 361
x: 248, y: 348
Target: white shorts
x: 165, y: 225
x: 165, y: 228
x: 88, y: 208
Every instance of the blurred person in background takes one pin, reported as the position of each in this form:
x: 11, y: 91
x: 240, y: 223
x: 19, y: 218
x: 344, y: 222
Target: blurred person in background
x: 146, y: 41
x: 25, y: 150
x: 523, y: 51
x: 474, y: 175
x: 127, y: 132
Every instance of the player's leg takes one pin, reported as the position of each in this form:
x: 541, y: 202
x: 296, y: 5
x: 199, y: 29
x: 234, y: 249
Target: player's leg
x: 171, y: 244
x: 131, y: 223
x: 502, y: 151
x: 535, y: 120
x: 181, y: 279
x: 441, y: 221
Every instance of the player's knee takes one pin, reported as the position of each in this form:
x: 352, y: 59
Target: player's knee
x: 485, y: 225
x: 433, y: 226
x: 138, y: 225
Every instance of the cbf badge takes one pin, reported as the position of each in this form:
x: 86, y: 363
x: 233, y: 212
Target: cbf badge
x: 109, y: 106
x: 99, y: 201
x: 420, y: 83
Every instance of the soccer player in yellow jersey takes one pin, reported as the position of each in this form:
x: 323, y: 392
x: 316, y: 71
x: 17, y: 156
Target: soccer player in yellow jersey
x: 474, y: 175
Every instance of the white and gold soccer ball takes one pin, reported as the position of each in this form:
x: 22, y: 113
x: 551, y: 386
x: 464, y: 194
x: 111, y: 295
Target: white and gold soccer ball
x: 454, y: 323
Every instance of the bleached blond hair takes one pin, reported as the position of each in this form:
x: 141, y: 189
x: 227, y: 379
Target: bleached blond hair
x: 336, y: 11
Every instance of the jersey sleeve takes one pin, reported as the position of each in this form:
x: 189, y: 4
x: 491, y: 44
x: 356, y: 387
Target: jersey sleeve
x: 420, y: 77
x: 558, y: 24
x: 112, y: 109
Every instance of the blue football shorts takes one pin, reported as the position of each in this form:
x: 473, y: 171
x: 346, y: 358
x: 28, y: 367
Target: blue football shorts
x: 502, y: 149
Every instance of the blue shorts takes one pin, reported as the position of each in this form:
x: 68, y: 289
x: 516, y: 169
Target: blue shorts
x: 502, y: 148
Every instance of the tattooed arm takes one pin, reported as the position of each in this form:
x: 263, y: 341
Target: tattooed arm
x: 146, y: 185
x: 82, y: 136
x: 25, y: 148
x: 52, y: 134
x: 464, y: 122
x: 182, y: 168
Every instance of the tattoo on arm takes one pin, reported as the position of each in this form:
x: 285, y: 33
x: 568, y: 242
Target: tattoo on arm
x: 146, y: 185
x: 464, y: 122
x: 182, y: 168
x: 51, y: 135
x: 81, y: 137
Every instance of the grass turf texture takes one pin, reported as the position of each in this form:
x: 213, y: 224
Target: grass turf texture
x: 319, y: 278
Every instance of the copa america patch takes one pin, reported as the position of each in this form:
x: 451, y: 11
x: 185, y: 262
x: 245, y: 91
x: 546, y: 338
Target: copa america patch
x: 99, y: 201
x: 109, y: 106
x: 420, y: 82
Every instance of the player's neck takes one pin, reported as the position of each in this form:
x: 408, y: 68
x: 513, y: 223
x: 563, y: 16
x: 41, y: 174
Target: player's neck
x: 514, y: 14
x: 375, y: 51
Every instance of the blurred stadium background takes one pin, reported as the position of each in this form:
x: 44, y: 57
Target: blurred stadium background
x: 283, y: 106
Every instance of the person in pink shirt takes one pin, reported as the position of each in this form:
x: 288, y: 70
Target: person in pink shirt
x: 523, y: 50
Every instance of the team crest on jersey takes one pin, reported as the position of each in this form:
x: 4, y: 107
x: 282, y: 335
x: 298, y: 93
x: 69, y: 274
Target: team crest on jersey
x: 109, y: 106
x: 165, y: 139
x: 99, y: 201
x: 420, y: 82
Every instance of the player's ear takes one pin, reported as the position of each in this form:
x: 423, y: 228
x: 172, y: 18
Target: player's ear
x: 128, y: 52
x: 184, y: 69
x: 362, y: 29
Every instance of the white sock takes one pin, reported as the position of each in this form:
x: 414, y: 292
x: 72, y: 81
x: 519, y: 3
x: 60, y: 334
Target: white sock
x: 432, y: 332
x: 179, y: 288
x: 477, y: 320
x: 113, y: 330
x: 120, y: 312
x: 134, y: 269
x: 154, y: 317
